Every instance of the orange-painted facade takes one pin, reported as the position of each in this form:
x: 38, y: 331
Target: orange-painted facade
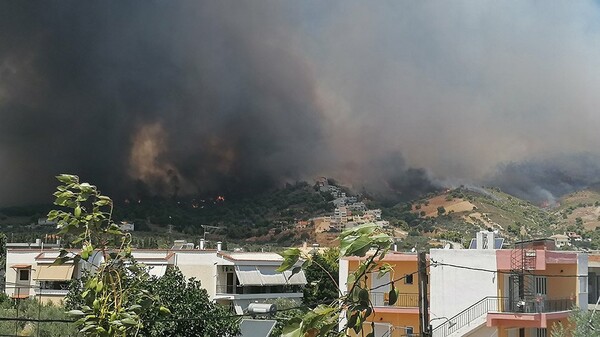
x: 401, y: 317
x: 554, y: 272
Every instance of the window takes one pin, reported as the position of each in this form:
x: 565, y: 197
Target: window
x: 23, y: 274
x: 541, y: 333
x: 408, y: 279
x: 541, y: 285
x: 410, y: 330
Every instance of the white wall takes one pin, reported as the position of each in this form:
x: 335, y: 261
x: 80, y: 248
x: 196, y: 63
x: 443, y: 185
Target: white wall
x: 484, y: 331
x: 14, y: 257
x: 582, y: 285
x: 455, y: 289
x: 343, y: 275
x: 343, y: 284
x: 201, y: 265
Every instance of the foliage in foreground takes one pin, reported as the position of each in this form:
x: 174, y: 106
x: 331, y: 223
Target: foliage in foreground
x: 32, y: 309
x: 579, y: 324
x: 320, y: 287
x: 369, y: 241
x: 192, y: 312
x: 112, y: 298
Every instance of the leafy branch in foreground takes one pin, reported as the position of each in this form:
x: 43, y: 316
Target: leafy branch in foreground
x: 369, y: 241
x: 113, y: 297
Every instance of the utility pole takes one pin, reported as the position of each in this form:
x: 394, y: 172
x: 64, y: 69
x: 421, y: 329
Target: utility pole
x: 423, y: 301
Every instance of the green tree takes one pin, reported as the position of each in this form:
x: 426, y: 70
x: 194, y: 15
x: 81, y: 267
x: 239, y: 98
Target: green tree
x: 34, y: 310
x: 287, y: 310
x: 321, y: 277
x: 113, y: 297
x: 580, y: 324
x: 187, y: 299
x: 441, y: 210
x: 355, y: 305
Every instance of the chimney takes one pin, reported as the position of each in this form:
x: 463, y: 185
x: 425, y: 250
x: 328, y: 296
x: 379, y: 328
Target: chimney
x: 490, y: 240
x: 219, y: 246
x: 395, y: 247
x: 479, y: 240
x: 202, y: 244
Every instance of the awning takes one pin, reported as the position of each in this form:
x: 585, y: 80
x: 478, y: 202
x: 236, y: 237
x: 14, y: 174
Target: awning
x: 21, y: 266
x: 267, y: 275
x: 54, y: 273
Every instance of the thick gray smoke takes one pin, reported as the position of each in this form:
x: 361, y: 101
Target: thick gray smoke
x: 544, y: 180
x: 184, y: 97
x: 218, y: 96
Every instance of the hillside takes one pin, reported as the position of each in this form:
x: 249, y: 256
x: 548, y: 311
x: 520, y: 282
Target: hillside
x: 280, y: 217
x: 580, y: 209
x: 265, y: 218
x: 464, y: 210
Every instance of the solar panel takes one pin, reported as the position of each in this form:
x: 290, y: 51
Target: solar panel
x: 256, y: 327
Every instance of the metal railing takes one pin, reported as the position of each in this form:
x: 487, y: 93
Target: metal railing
x: 249, y: 290
x: 502, y: 305
x: 229, y: 289
x: 466, y: 316
x: 538, y: 305
x: 380, y: 299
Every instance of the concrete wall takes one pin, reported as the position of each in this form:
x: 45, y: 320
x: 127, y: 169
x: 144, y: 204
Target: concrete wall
x: 201, y: 265
x: 455, y: 289
x: 582, y: 285
x: 343, y: 275
x: 484, y: 331
x: 15, y: 257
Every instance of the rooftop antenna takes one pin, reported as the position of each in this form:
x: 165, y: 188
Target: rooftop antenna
x: 205, y: 229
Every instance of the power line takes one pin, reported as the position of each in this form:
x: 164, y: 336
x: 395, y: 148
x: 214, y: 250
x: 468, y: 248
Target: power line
x: 435, y: 264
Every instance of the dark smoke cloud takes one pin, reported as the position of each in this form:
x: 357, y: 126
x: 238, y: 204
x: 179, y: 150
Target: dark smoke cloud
x: 186, y: 96
x: 544, y: 181
x: 218, y: 96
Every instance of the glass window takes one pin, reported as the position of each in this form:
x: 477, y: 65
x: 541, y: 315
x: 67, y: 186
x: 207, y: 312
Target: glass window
x: 408, y: 279
x: 23, y: 274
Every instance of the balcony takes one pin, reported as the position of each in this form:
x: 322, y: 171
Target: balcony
x: 536, y: 305
x: 531, y: 313
x: 381, y: 299
x: 245, y: 290
x: 502, y: 311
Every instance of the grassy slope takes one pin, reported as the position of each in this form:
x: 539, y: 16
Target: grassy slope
x: 584, y: 204
x: 481, y: 209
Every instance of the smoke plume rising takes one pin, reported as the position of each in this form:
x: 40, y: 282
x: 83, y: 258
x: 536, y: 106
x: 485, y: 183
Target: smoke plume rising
x: 233, y: 97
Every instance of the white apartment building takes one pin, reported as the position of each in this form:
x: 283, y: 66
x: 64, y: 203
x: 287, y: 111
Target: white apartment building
x: 235, y: 279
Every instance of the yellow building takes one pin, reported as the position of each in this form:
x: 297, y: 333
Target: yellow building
x: 402, y: 317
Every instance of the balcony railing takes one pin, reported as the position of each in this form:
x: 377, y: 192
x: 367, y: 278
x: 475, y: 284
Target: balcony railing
x: 272, y: 289
x: 502, y: 305
x: 538, y: 305
x: 380, y: 299
x: 229, y: 289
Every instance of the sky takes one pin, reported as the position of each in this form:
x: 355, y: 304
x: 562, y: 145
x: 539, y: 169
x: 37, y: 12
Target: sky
x: 201, y: 97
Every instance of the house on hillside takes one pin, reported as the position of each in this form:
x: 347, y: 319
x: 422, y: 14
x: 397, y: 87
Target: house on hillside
x: 561, y: 240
